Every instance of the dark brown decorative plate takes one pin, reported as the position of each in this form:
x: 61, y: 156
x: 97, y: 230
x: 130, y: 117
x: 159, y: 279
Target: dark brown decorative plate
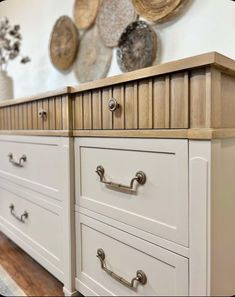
x: 137, y: 47
x: 64, y: 43
x: 94, y: 58
x: 157, y: 10
x: 113, y: 17
x: 85, y: 12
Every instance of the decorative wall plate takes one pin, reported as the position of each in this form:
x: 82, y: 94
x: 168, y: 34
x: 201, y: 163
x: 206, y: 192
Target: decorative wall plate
x: 94, y: 59
x: 137, y: 47
x: 64, y: 43
x: 157, y: 10
x: 113, y: 17
x: 85, y: 12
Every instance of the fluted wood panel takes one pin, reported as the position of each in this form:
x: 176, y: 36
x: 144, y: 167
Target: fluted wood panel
x: 153, y: 103
x: 161, y: 102
x: 179, y: 100
x: 25, y: 116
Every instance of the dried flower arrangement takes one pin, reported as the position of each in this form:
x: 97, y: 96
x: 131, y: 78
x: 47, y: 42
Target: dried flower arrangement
x: 10, y: 43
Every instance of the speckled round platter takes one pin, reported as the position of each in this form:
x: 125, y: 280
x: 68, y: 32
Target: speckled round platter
x: 137, y: 47
x: 64, y: 43
x: 85, y: 12
x: 112, y: 19
x: 94, y: 58
x: 158, y: 10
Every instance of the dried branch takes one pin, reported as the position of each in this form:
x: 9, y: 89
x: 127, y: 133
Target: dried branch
x: 10, y: 43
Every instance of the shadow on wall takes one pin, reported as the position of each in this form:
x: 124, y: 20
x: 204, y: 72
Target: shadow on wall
x: 184, y: 8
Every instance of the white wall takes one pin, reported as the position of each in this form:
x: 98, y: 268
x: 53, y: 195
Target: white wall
x: 206, y: 25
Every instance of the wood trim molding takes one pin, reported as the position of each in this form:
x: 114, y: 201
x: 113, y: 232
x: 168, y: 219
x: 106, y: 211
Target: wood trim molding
x: 192, y: 98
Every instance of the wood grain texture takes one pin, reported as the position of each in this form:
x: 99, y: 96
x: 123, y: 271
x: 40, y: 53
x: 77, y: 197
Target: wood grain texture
x: 107, y: 116
x: 119, y: 114
x: 87, y: 110
x: 96, y: 109
x: 145, y: 104
x: 198, y: 99
x: 33, y: 279
x: 161, y: 102
x: 201, y: 98
x: 131, y: 106
x: 179, y: 104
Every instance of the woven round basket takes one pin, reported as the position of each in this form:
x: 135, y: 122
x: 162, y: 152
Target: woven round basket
x: 158, y: 10
x: 137, y: 47
x: 113, y: 17
x: 94, y: 58
x: 85, y: 12
x: 64, y: 43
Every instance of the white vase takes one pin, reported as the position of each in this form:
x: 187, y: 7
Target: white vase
x: 6, y: 86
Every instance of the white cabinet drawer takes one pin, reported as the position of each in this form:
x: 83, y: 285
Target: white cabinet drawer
x: 166, y: 272
x: 159, y: 206
x: 40, y: 231
x: 39, y: 170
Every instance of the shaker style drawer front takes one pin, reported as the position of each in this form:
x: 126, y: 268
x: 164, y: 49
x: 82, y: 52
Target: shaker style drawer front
x: 40, y: 227
x: 143, y: 183
x: 113, y: 263
x: 32, y: 162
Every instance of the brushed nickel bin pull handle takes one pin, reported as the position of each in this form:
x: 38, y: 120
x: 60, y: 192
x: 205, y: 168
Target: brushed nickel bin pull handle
x: 19, y: 163
x: 21, y: 218
x: 140, y: 177
x: 140, y: 277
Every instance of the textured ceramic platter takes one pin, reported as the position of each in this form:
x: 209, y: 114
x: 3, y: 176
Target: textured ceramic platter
x: 64, y: 43
x: 113, y: 18
x: 85, y: 12
x: 93, y: 59
x: 137, y: 47
x: 157, y: 10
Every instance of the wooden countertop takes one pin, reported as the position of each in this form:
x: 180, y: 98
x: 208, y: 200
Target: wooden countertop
x: 209, y: 59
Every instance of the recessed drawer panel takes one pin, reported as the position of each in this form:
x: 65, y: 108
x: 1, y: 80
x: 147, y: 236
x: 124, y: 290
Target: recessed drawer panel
x: 126, y: 265
x: 158, y: 205
x: 33, y: 162
x: 36, y: 222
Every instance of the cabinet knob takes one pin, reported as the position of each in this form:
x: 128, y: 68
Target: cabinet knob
x: 42, y: 114
x: 113, y: 105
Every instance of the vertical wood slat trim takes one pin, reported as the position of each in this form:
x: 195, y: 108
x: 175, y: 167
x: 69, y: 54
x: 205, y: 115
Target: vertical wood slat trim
x: 179, y: 95
x: 73, y: 111
x: 20, y: 117
x: 9, y: 118
x: 199, y: 98
x: 25, y: 117
x: 107, y: 117
x: 58, y: 112
x: 35, y: 114
x: 161, y: 102
x: 216, y: 99
x: 51, y: 110
x: 30, y: 116
x: 40, y: 120
x: 67, y: 121
x: 78, y: 112
x: 45, y: 120
x: 131, y: 105
x: 87, y: 110
x: 17, y: 117
x: 97, y: 111
x: 1, y: 119
x: 119, y: 114
x: 167, y: 101
x: 145, y: 104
